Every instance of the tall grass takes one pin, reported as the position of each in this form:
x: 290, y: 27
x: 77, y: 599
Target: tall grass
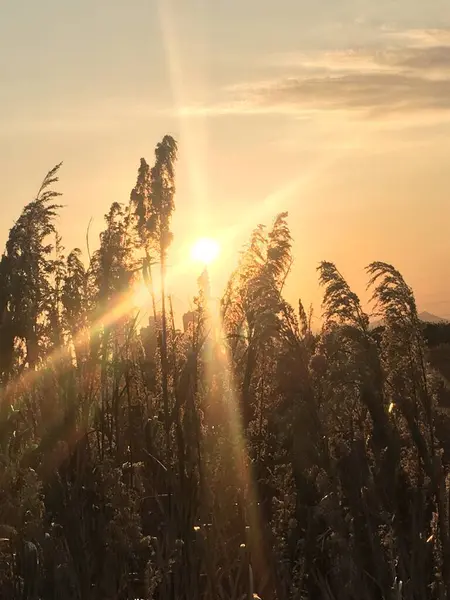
x: 246, y: 456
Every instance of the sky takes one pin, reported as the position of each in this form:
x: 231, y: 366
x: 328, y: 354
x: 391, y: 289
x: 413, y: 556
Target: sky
x: 337, y: 111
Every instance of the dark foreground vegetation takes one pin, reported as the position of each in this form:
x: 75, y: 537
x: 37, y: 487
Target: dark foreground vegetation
x: 246, y: 455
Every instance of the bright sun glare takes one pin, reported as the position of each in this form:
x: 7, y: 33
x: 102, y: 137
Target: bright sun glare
x: 205, y: 250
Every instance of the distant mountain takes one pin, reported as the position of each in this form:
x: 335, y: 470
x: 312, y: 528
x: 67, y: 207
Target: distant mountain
x: 424, y: 316
x: 429, y: 318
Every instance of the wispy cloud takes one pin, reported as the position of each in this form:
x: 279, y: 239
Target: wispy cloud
x: 419, y: 37
x: 364, y: 92
x: 407, y: 74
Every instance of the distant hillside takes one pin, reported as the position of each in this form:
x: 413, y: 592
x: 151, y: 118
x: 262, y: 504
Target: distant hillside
x: 429, y: 318
x: 424, y: 316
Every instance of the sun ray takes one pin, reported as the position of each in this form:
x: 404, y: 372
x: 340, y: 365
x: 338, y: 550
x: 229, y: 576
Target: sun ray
x: 245, y: 481
x: 281, y: 198
x: 192, y: 134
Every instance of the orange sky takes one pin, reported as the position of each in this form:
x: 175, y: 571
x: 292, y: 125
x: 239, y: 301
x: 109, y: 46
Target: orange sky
x: 338, y: 113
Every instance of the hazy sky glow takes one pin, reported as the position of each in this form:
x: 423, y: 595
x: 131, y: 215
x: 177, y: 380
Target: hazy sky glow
x: 337, y: 111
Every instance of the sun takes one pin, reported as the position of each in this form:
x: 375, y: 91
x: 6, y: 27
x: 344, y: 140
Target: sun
x: 205, y: 250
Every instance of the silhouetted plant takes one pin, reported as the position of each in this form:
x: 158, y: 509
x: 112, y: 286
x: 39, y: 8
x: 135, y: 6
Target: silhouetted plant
x: 249, y: 454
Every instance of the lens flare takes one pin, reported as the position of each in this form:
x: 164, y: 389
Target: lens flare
x: 205, y: 250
